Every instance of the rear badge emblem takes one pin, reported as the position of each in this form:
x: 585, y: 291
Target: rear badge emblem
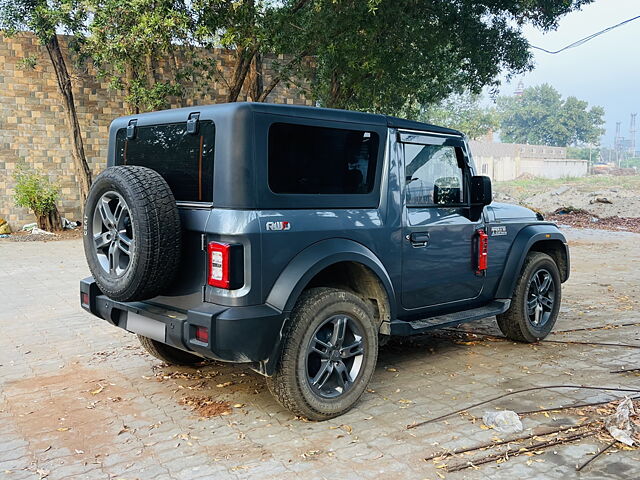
x: 498, y: 231
x: 278, y: 226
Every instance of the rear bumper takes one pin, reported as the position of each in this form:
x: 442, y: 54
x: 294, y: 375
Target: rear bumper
x: 236, y: 334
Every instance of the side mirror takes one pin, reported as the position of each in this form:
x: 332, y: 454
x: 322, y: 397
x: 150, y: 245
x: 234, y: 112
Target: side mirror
x: 481, y: 193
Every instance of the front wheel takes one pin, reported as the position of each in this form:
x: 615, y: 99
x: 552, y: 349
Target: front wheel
x: 536, y: 301
x: 329, y: 355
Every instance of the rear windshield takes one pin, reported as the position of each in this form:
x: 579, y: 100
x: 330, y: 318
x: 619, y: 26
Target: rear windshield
x: 317, y: 160
x: 184, y: 160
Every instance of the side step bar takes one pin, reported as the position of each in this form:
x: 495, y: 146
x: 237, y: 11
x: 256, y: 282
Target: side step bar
x: 496, y: 307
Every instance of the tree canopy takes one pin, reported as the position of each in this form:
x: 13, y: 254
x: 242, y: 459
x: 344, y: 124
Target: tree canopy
x: 463, y: 112
x: 381, y: 55
x: 541, y: 116
x: 128, y: 40
x: 373, y: 55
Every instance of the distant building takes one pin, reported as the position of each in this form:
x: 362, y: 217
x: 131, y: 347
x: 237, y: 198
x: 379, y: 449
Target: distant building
x: 519, y: 89
x: 508, y: 161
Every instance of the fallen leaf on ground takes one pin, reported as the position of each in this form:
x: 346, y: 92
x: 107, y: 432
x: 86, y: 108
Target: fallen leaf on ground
x: 97, y: 390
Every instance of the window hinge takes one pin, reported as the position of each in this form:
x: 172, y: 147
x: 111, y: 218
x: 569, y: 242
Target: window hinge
x: 192, y: 123
x: 131, y: 129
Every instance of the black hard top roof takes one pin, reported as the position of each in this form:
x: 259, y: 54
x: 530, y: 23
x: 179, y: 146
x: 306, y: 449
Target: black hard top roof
x: 330, y: 114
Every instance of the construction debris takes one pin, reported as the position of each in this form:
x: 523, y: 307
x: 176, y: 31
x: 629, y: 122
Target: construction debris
x: 621, y: 426
x: 505, y: 421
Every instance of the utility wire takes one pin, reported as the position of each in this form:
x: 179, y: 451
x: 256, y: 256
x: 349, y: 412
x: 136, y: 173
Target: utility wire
x: 586, y: 39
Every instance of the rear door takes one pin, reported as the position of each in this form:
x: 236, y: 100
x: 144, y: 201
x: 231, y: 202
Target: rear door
x: 185, y: 159
x: 438, y: 239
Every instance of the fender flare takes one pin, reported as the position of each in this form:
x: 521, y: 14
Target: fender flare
x: 306, y: 265
x: 520, y: 247
x: 315, y: 258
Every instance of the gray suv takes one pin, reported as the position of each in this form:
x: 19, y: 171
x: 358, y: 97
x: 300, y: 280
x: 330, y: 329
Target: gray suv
x: 297, y: 239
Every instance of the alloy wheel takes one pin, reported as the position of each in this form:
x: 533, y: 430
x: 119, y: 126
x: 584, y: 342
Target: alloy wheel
x: 113, y: 237
x: 334, y: 356
x: 540, y: 298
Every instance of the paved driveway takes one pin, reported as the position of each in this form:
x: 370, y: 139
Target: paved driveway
x: 80, y: 399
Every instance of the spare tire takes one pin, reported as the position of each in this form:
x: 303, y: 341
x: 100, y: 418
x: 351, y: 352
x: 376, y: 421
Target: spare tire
x: 131, y: 233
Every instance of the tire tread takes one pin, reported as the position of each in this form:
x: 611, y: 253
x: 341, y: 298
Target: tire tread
x: 511, y: 323
x: 158, y: 240
x: 286, y: 391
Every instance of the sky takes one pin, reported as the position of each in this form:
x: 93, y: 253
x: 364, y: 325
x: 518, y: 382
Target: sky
x: 605, y: 71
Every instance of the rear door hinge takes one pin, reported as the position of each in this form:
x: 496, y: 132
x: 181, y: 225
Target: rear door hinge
x: 131, y: 129
x: 192, y: 123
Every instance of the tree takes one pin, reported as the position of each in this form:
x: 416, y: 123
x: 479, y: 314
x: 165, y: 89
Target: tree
x: 462, y: 112
x: 45, y: 18
x: 374, y: 55
x: 382, y: 55
x: 541, y: 116
x: 129, y: 39
x: 249, y: 30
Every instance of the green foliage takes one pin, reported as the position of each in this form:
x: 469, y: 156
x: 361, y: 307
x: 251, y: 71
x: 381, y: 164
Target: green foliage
x: 35, y: 191
x: 632, y: 162
x: 42, y: 17
x: 128, y: 40
x: 377, y: 55
x: 374, y: 55
x: 582, y: 153
x: 382, y: 55
x: 541, y: 116
x: 28, y: 63
x: 462, y: 112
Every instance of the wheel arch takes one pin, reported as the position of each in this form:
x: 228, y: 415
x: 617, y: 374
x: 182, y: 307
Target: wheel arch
x: 310, y: 266
x: 534, y: 238
x: 340, y: 263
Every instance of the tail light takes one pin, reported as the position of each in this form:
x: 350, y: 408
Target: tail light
x: 483, y: 251
x: 219, y: 254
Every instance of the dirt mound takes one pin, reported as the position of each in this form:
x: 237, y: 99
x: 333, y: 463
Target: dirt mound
x: 582, y: 219
x: 605, y: 202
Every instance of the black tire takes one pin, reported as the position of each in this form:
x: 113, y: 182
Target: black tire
x: 319, y: 312
x: 167, y: 353
x: 131, y: 204
x: 518, y: 323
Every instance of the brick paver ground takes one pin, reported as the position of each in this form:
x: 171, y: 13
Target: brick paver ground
x: 80, y: 399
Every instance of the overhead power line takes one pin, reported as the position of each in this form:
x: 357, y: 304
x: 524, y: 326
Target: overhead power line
x: 586, y: 39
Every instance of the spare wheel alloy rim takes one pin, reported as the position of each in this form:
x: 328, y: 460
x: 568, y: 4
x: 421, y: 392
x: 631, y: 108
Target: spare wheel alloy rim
x: 113, y: 237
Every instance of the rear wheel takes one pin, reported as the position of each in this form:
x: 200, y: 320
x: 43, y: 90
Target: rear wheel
x: 329, y: 355
x: 536, y: 301
x: 167, y: 353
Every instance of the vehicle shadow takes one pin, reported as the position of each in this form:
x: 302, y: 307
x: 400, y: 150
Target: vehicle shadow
x: 239, y: 385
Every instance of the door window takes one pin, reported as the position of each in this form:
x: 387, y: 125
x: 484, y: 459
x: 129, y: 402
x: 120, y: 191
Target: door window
x: 433, y: 176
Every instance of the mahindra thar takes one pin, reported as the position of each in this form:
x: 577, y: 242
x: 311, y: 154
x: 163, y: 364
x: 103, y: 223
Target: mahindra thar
x: 297, y: 239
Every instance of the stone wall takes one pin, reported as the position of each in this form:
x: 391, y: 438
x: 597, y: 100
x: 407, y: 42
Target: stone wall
x: 32, y: 120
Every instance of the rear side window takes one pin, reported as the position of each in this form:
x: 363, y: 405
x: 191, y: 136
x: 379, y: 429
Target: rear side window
x: 317, y: 160
x: 184, y: 160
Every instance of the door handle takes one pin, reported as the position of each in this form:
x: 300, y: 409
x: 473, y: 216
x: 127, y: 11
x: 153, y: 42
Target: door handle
x: 419, y: 239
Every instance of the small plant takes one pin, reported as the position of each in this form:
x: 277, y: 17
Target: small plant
x: 35, y: 191
x: 28, y: 63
